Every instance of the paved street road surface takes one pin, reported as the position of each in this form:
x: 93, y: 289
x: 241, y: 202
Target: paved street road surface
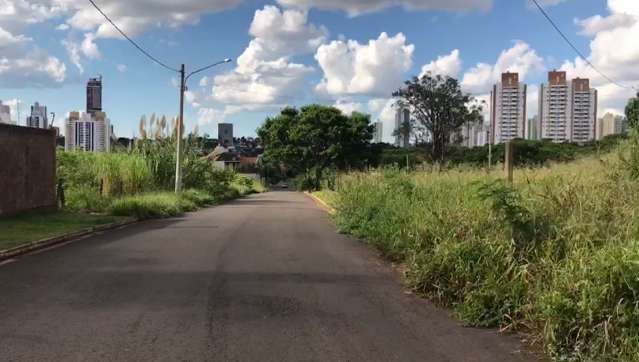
x: 265, y: 278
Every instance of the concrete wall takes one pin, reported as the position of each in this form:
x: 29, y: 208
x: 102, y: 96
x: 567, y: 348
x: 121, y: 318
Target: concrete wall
x: 27, y: 169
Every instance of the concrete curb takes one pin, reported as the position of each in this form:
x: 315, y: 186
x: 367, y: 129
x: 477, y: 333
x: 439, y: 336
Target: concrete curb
x: 321, y: 202
x: 45, y: 243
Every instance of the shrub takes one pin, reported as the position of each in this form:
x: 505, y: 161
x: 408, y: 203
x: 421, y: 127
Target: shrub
x: 555, y: 252
x: 153, y: 205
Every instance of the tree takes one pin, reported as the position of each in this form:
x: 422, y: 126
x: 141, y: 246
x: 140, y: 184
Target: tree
x: 439, y: 105
x: 632, y: 112
x: 315, y: 138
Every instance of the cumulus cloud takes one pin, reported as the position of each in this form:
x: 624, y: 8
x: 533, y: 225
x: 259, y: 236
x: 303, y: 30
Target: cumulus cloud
x: 135, y: 16
x: 614, y: 50
x: 376, y: 68
x: 207, y: 116
x: 122, y: 68
x: 265, y: 73
x: 23, y: 64
x: 35, y: 69
x: 520, y: 58
x: 347, y: 106
x: 358, y: 7
x: 449, y: 65
x: 596, y: 24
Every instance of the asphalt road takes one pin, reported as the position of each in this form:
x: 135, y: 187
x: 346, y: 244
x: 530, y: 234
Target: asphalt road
x: 265, y: 278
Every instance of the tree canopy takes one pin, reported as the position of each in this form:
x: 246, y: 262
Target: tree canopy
x: 314, y: 138
x: 632, y: 112
x: 439, y: 106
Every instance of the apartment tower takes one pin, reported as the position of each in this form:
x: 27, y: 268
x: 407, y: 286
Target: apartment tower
x: 38, y: 117
x: 567, y: 110
x: 508, y: 109
x: 87, y: 132
x: 94, y: 95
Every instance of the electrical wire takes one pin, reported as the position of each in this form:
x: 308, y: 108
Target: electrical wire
x: 156, y: 60
x: 545, y: 14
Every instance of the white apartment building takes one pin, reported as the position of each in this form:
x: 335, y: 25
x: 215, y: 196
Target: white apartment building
x: 38, y: 117
x: 86, y: 132
x: 508, y: 109
x: 567, y: 111
x: 611, y: 124
x: 475, y: 135
x: 402, y: 115
x: 5, y: 114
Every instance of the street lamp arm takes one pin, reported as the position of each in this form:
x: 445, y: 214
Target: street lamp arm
x: 227, y: 60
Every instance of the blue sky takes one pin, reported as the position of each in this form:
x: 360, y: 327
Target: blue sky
x: 294, y: 46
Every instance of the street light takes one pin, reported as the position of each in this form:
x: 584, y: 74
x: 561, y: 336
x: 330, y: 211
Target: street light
x: 178, y: 159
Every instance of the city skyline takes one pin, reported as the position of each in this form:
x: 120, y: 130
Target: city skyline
x: 308, y: 74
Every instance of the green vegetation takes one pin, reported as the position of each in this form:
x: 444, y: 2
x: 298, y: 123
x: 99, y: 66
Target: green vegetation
x: 438, y: 107
x: 632, y: 112
x: 314, y: 139
x: 39, y: 225
x: 139, y: 183
x: 555, y: 254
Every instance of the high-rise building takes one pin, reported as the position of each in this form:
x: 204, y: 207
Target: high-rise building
x: 38, y: 117
x: 379, y: 132
x: 402, y: 118
x: 87, y: 132
x: 474, y: 135
x: 567, y: 109
x: 610, y: 124
x: 533, y: 128
x: 225, y: 134
x: 94, y: 95
x: 5, y: 114
x: 584, y: 111
x: 508, y: 109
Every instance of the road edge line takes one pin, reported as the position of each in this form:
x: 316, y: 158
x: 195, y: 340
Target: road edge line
x: 321, y: 203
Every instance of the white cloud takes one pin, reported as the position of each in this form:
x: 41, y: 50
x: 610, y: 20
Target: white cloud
x: 23, y: 64
x: 596, y: 24
x: 36, y: 69
x: 358, y: 7
x: 204, y: 82
x: 206, y: 116
x: 135, y: 17
x: 264, y: 73
x: 521, y: 58
x: 89, y: 48
x: 347, y: 106
x: 122, y: 68
x: 376, y: 68
x: 7, y: 39
x: 383, y: 110
x: 73, y: 51
x: 449, y: 65
x: 62, y: 27
x: 614, y: 50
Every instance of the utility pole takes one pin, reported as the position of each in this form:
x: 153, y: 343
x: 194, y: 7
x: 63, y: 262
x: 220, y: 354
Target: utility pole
x: 490, y: 152
x: 178, y: 157
x: 178, y: 132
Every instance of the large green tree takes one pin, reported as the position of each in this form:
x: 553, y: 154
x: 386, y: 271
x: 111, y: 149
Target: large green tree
x: 314, y: 138
x: 438, y: 104
x: 632, y: 112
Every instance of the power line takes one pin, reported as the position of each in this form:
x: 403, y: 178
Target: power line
x: 156, y: 60
x: 545, y: 14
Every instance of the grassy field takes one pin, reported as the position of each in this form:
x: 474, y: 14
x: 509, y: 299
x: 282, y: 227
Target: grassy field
x: 40, y: 225
x: 555, y: 254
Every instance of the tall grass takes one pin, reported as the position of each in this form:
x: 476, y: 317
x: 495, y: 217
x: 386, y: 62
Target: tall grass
x: 556, y: 253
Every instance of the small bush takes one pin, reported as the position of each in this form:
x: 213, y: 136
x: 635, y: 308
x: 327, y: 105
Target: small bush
x: 155, y: 205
